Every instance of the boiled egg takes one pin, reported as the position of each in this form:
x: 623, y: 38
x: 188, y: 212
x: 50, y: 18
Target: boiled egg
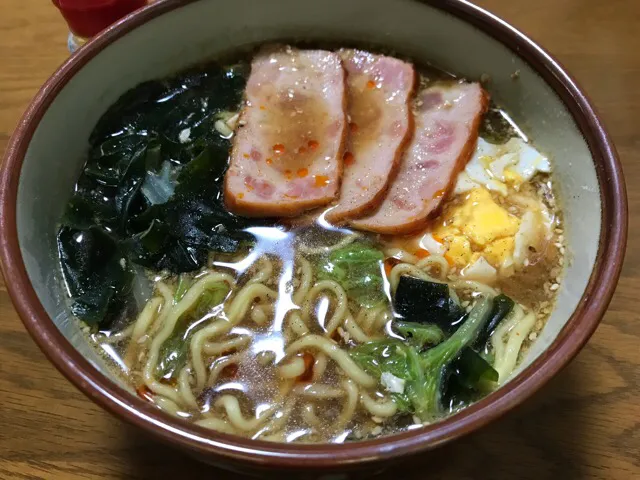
x: 477, y: 231
x: 496, y: 167
x: 477, y: 234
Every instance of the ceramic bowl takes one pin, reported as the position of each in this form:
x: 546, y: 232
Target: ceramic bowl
x: 47, y: 151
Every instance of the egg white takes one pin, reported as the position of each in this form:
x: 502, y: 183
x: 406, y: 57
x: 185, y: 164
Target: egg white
x: 490, y: 164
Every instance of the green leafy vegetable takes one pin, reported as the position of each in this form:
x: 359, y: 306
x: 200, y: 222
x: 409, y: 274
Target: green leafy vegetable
x: 464, y: 336
x: 421, y: 301
x: 383, y: 356
x: 424, y: 372
x: 418, y: 334
x: 397, y: 358
x: 174, y: 352
x: 357, y: 268
x: 183, y: 286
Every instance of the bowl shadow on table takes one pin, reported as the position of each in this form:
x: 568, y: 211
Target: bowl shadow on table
x: 531, y: 442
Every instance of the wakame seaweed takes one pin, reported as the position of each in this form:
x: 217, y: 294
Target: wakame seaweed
x: 179, y: 234
x: 96, y: 271
x: 159, y: 129
x: 422, y: 301
x: 502, y: 307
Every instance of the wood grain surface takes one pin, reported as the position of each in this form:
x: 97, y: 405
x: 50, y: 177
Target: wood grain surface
x: 585, y: 424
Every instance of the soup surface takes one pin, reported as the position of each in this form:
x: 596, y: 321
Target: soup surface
x: 312, y: 245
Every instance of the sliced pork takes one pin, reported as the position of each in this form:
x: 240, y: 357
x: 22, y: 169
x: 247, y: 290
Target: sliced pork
x: 287, y: 153
x: 447, y: 119
x: 379, y: 91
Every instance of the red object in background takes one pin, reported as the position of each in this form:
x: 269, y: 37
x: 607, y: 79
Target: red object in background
x: 86, y: 18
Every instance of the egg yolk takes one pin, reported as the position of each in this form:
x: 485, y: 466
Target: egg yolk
x: 478, y: 226
x: 459, y: 250
x: 498, y: 251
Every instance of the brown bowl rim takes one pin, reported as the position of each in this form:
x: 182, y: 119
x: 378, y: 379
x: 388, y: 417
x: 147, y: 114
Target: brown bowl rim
x: 253, y: 453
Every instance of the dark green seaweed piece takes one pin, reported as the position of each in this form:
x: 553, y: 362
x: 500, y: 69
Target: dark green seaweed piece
x: 421, y: 301
x: 179, y: 234
x: 502, y: 306
x: 472, y: 371
x: 157, y: 125
x: 110, y: 161
x: 97, y: 274
x: 129, y: 112
x: 468, y: 379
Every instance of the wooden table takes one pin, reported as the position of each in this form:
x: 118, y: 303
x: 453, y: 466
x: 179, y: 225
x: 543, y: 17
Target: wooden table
x: 585, y: 424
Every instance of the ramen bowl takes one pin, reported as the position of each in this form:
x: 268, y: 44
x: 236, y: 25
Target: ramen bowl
x: 46, y: 154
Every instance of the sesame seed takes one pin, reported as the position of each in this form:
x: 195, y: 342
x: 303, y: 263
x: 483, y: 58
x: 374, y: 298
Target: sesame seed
x: 554, y: 287
x: 533, y: 336
x: 184, y: 135
x: 377, y: 430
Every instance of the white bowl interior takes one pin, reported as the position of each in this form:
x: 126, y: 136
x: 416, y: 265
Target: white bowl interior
x: 205, y: 29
